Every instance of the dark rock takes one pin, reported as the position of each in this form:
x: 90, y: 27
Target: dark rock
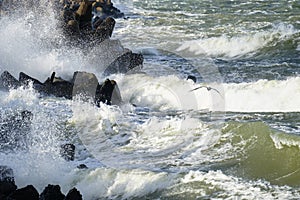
x: 68, y: 151
x: 124, y: 63
x: 105, y: 29
x: 104, y: 92
x: 52, y: 192
x: 58, y: 87
x: 7, y: 182
x: 25, y: 79
x: 90, y: 21
x: 82, y: 166
x: 116, y: 98
x: 108, y: 9
x: 26, y: 193
x: 73, y: 194
x: 72, y: 29
x: 82, y: 83
x: 191, y: 77
x: 137, y: 59
x: 84, y: 13
x: 8, y: 81
x: 2, y: 196
x: 85, y: 84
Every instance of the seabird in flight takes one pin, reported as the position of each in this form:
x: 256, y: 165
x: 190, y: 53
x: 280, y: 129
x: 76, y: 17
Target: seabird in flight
x: 207, y: 87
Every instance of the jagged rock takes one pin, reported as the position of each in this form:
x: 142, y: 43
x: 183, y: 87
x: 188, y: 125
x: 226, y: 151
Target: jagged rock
x: 24, y: 79
x: 68, y: 151
x: 85, y: 84
x: 58, y: 87
x: 7, y: 182
x: 105, y: 91
x: 105, y: 29
x: 116, y: 98
x: 136, y: 60
x: 82, y: 166
x: 87, y: 23
x: 28, y: 192
x: 7, y: 81
x: 73, y: 194
x: 52, y: 192
x: 82, y: 83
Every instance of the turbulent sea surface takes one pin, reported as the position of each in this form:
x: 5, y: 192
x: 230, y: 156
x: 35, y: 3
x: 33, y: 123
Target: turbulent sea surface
x: 240, y: 141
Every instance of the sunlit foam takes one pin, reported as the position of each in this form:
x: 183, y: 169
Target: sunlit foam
x: 226, y: 46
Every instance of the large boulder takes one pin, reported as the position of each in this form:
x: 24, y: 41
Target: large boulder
x: 73, y: 194
x: 86, y: 85
x: 105, y: 29
x: 83, y: 83
x: 28, y: 192
x: 116, y: 98
x: 24, y: 79
x: 8, y: 81
x: 58, y: 87
x: 52, y: 192
x: 108, y: 93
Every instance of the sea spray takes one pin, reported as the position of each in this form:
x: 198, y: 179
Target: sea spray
x: 239, y: 160
x: 39, y: 161
x: 170, y: 92
x: 164, y: 93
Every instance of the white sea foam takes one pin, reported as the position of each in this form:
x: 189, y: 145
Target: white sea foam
x: 23, y: 96
x: 263, y: 96
x: 115, y: 142
x: 170, y: 92
x: 118, y: 184
x: 227, y: 46
x: 122, y: 142
x: 36, y: 168
x: 234, y: 188
x: 162, y: 93
x: 39, y: 163
x: 282, y: 140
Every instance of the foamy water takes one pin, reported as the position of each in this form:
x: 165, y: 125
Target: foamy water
x: 246, y: 43
x: 171, y: 92
x: 165, y: 141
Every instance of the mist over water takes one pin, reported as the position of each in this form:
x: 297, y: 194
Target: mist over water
x: 237, y: 140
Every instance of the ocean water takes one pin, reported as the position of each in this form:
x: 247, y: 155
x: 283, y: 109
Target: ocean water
x: 239, y: 140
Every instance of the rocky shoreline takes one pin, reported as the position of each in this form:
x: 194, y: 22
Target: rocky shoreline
x: 83, y: 30
x: 9, y: 190
x: 83, y: 83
